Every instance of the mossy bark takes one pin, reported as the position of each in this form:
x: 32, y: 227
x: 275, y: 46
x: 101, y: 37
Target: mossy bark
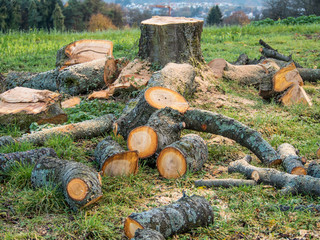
x: 289, y: 183
x: 147, y: 234
x: 226, y: 183
x: 314, y: 169
x: 206, y: 121
x: 59, y: 173
x: 181, y: 216
x: 7, y: 160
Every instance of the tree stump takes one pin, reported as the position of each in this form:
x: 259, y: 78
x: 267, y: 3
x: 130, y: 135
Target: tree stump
x: 80, y: 184
x: 187, y: 154
x: 113, y: 160
x: 170, y: 39
x: 179, y: 217
x: 290, y: 160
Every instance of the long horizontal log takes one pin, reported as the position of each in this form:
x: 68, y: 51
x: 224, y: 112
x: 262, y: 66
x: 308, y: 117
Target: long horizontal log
x: 226, y: 183
x: 288, y: 183
x: 206, y: 121
x: 309, y: 208
x: 290, y: 160
x: 147, y: 234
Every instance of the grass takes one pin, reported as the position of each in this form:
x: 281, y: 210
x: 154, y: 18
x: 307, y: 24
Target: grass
x: 244, y: 212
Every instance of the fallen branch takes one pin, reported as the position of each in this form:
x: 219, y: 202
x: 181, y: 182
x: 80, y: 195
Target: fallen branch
x: 290, y: 160
x: 226, y: 183
x: 309, y: 208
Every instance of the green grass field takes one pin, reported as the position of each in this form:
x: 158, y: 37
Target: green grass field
x: 240, y: 213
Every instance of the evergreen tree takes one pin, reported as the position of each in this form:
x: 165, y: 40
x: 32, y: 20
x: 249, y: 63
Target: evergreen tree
x: 3, y: 15
x: 58, y: 18
x: 73, y: 13
x: 33, y: 15
x: 214, y: 16
x: 14, y: 15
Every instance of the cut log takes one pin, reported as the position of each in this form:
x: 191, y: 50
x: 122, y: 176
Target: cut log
x: 148, y: 102
x: 113, y: 69
x: 309, y: 74
x: 171, y: 39
x: 80, y: 184
x: 290, y: 159
x: 309, y: 208
x: 314, y: 169
x: 86, y: 129
x: 161, y: 130
x: 226, y: 183
x: 147, y: 234
x: 113, y: 160
x: 28, y: 157
x: 71, y: 102
x: 187, y: 154
x: 289, y: 183
x: 206, y: 121
x: 74, y: 80
x: 22, y: 106
x: 82, y: 51
x: 179, y: 217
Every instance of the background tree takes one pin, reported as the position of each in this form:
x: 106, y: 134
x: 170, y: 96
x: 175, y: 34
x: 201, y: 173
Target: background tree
x: 3, y: 15
x: 237, y: 18
x: 73, y: 12
x: 58, y: 18
x: 214, y: 16
x: 14, y: 14
x: 100, y: 22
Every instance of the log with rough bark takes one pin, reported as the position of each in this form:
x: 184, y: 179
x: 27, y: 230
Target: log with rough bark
x: 22, y: 106
x: 318, y: 152
x: 113, y: 69
x: 148, y: 102
x: 314, y: 169
x: 179, y: 217
x: 113, y: 160
x: 288, y: 183
x: 171, y: 39
x: 86, y: 129
x: 290, y: 159
x: 161, y: 130
x: 309, y: 208
x: 82, y: 51
x: 147, y: 234
x: 187, y: 154
x: 226, y: 183
x: 7, y: 160
x: 81, y: 185
x: 206, y: 121
x: 74, y: 80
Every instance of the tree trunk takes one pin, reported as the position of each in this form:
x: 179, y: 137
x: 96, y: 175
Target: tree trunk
x: 179, y: 217
x: 147, y: 234
x: 7, y: 160
x: 226, y: 183
x: 289, y: 183
x: 309, y: 74
x: 82, y: 51
x: 161, y: 130
x: 314, y: 169
x: 171, y: 39
x: 22, y: 106
x: 113, y: 160
x: 80, y: 184
x: 206, y: 121
x: 187, y: 154
x: 290, y: 160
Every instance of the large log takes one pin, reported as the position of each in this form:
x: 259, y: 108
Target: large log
x: 22, y: 106
x: 226, y: 183
x: 113, y: 160
x: 28, y: 157
x: 206, y: 121
x: 290, y: 159
x: 86, y: 129
x: 314, y: 169
x: 147, y: 234
x: 288, y: 183
x: 170, y: 39
x: 179, y: 217
x: 82, y: 51
x: 161, y: 130
x: 81, y: 185
x: 187, y: 154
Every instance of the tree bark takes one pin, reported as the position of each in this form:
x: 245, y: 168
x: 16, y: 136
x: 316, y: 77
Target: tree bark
x: 290, y: 159
x: 113, y: 160
x: 226, y: 183
x: 187, y: 154
x: 171, y: 39
x: 80, y: 184
x: 289, y: 183
x: 314, y: 169
x: 206, y: 121
x: 147, y: 234
x: 309, y: 74
x: 310, y: 208
x: 6, y: 140
x: 179, y: 217
x: 7, y: 160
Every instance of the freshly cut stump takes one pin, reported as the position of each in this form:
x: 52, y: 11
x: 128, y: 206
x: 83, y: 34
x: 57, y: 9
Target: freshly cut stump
x: 314, y: 169
x: 226, y: 183
x: 147, y: 234
x: 148, y: 102
x: 179, y: 217
x: 290, y: 160
x: 187, y: 154
x: 171, y: 39
x: 80, y: 184
x: 113, y: 160
x: 7, y: 160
